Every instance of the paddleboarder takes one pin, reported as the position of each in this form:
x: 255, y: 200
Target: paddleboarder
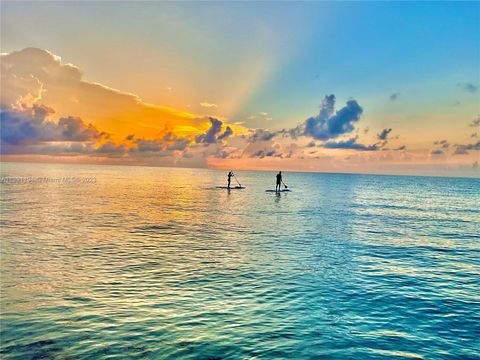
x: 279, y: 181
x: 229, y: 177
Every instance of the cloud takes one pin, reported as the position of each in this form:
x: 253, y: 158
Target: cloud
x: 74, y: 129
x: 262, y: 135
x: 327, y: 125
x: 400, y: 148
x: 383, y: 135
x: 150, y: 145
x: 262, y: 115
x: 475, y: 122
x: 49, y: 148
x: 110, y: 148
x: 228, y: 131
x: 437, y: 152
x: 31, y: 131
x: 474, y: 135
x: 208, y: 105
x: 213, y: 134
x: 262, y: 153
x: 350, y: 144
x: 30, y: 126
x: 442, y: 143
x: 394, y: 96
x: 462, y: 149
x: 176, y: 142
x: 469, y: 87
x: 260, y: 143
x: 169, y: 142
x: 36, y: 76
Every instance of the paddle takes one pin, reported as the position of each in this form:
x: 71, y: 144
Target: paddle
x: 286, y: 187
x: 236, y: 179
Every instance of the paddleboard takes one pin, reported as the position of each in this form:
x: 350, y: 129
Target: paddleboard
x: 231, y: 187
x: 283, y: 190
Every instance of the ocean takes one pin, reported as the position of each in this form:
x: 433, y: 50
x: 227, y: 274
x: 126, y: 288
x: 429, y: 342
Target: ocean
x: 113, y: 262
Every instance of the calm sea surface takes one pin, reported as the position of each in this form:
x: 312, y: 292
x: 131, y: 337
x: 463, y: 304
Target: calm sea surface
x: 157, y: 263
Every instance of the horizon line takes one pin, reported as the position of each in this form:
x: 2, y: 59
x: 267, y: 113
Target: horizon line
x: 465, y: 176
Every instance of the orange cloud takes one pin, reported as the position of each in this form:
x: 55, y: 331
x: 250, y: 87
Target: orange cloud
x: 37, y: 76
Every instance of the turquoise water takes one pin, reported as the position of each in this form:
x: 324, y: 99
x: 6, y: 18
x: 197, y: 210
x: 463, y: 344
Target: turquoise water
x: 157, y: 263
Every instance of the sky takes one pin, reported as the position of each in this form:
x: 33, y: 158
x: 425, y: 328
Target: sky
x: 368, y: 87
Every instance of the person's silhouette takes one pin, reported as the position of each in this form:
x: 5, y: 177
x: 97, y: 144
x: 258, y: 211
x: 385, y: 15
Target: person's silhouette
x: 230, y: 174
x: 279, y: 181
